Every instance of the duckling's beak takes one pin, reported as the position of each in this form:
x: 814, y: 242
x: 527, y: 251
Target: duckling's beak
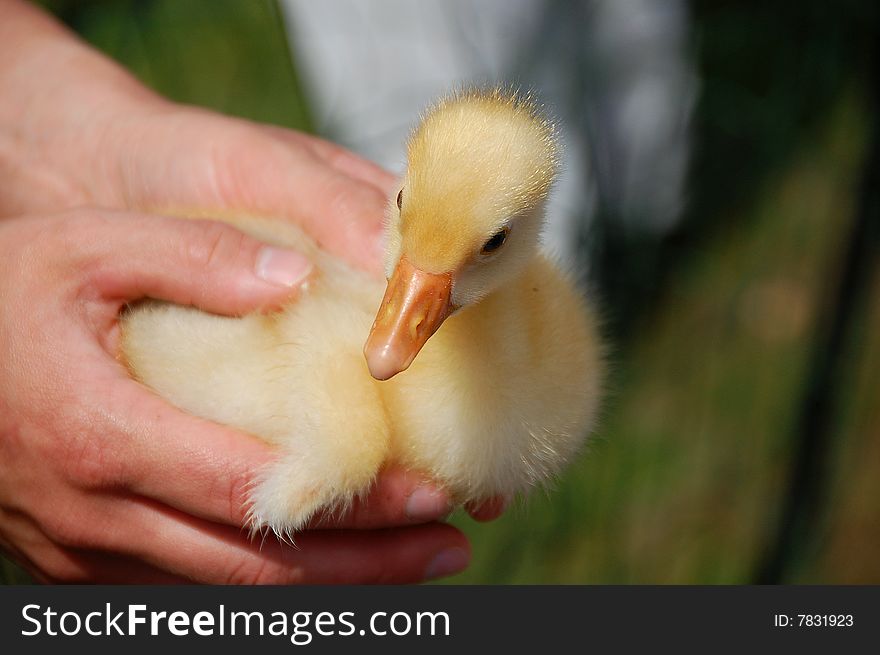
x: 414, y: 306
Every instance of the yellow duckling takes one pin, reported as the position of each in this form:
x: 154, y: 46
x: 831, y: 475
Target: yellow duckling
x: 497, y: 400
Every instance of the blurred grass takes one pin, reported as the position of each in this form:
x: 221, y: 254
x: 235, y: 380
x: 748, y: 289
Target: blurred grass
x: 227, y: 55
x: 848, y: 551
x: 683, y: 482
x: 11, y: 574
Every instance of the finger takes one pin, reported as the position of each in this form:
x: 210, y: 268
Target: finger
x: 210, y: 553
x: 399, y: 556
x: 276, y: 176
x: 341, y: 159
x: 488, y: 510
x: 342, y: 215
x: 188, y: 463
x: 47, y: 561
x: 104, y: 568
x: 206, y: 264
x: 397, y: 498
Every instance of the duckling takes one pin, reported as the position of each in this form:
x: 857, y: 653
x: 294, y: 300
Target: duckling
x: 482, y: 366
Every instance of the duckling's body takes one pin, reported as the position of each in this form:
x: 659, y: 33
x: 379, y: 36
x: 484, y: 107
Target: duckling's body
x: 495, y: 402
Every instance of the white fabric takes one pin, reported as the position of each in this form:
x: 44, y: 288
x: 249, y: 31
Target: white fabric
x: 614, y: 72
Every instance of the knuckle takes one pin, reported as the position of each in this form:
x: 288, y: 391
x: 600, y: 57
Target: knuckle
x: 352, y: 203
x: 88, y: 468
x: 340, y: 158
x: 232, y: 163
x: 218, y: 247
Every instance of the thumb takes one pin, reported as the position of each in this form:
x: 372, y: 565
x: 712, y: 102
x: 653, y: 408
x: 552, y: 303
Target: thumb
x: 207, y: 264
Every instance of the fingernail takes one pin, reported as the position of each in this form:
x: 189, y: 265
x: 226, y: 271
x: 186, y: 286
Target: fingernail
x: 282, y: 267
x: 427, y: 503
x: 447, y: 562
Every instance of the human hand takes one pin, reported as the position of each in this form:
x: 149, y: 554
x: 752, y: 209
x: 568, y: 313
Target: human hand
x: 100, y: 480
x: 93, y: 135
x: 77, y: 130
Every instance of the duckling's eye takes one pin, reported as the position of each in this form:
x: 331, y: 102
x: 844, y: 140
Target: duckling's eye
x: 496, y: 241
x: 399, y: 198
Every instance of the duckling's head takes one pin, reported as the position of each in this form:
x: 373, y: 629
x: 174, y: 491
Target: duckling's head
x: 467, y: 219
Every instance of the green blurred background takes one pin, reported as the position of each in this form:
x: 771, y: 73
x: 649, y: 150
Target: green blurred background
x: 740, y: 441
